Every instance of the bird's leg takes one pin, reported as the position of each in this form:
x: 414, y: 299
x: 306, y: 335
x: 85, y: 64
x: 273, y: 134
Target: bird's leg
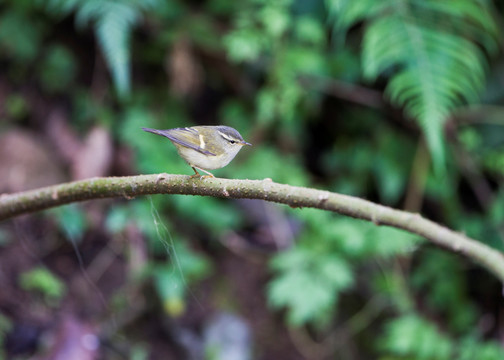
x: 210, y: 175
x: 197, y: 174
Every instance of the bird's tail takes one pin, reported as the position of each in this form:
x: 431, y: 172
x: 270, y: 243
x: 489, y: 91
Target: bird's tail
x: 155, y: 131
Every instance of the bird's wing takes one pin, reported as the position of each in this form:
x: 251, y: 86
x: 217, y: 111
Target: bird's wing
x: 183, y: 136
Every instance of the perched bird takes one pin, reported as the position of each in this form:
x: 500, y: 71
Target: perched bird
x: 204, y: 147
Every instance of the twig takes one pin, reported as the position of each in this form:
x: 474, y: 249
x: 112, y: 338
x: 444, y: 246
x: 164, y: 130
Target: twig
x: 418, y: 177
x: 345, y: 90
x: 131, y: 186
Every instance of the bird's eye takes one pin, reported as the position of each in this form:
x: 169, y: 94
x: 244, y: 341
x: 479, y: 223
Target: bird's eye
x: 232, y: 141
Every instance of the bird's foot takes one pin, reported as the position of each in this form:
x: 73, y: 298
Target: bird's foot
x: 198, y: 175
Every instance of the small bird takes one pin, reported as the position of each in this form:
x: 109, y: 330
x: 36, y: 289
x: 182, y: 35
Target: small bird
x: 204, y: 147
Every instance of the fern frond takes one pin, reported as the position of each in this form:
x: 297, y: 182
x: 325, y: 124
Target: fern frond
x: 113, y: 30
x: 58, y: 7
x: 406, y: 336
x: 435, y: 50
x: 113, y: 21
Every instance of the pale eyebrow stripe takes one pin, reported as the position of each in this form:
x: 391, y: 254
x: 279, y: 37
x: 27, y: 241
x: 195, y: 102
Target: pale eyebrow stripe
x: 227, y: 137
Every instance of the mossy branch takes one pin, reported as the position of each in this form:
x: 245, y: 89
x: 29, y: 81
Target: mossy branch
x: 132, y: 186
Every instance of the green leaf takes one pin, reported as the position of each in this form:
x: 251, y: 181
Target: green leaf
x: 292, y: 259
x: 387, y: 241
x: 42, y: 280
x: 243, y: 45
x: 171, y: 289
x: 20, y: 36
x: 203, y: 210
x: 348, y: 236
x: 16, y: 106
x: 173, y: 279
x: 58, y: 69
x: 429, y: 77
x: 308, y: 284
x: 72, y: 220
x: 410, y: 336
x: 117, y: 219
x: 275, y: 19
x: 304, y: 296
x: 439, y: 276
x: 266, y: 105
x: 284, y: 168
x: 391, y: 169
x: 335, y: 272
x: 310, y: 31
x: 470, y: 348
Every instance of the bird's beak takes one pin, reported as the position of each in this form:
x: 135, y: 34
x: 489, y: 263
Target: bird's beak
x: 246, y: 143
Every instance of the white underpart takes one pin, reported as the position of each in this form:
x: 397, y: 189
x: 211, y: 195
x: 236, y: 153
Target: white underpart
x: 204, y: 161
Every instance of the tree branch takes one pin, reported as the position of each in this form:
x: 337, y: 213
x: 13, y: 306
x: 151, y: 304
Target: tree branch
x: 131, y: 186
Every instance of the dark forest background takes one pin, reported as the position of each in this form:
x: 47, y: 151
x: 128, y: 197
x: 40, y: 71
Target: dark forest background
x: 396, y: 101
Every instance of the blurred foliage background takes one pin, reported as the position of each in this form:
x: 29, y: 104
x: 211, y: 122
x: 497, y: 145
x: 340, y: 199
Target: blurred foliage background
x: 396, y: 101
